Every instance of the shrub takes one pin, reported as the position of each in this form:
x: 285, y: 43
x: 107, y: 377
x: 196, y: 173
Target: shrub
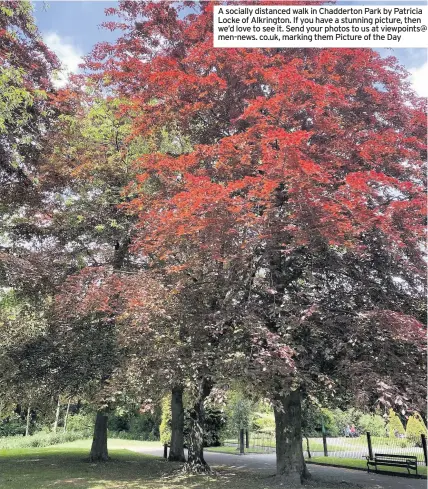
x: 215, y: 422
x: 144, y: 426
x: 346, y: 418
x: 264, y: 422
x: 82, y: 423
x: 330, y: 422
x: 13, y: 425
x: 373, y: 423
x: 395, y: 426
x: 415, y: 428
x: 40, y: 440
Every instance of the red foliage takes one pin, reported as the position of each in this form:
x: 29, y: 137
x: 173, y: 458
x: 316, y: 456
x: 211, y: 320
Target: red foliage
x: 299, y: 146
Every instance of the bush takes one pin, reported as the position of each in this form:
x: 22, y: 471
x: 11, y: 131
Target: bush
x: 330, y: 422
x: 13, y: 425
x: 415, y: 428
x: 144, y: 426
x: 395, y: 426
x: 373, y: 423
x: 346, y: 418
x: 40, y: 440
x: 82, y: 423
x: 264, y: 422
x: 215, y: 421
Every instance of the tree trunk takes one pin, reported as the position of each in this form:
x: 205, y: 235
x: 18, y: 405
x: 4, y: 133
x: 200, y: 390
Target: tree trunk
x: 58, y: 406
x: 307, y: 447
x: 195, y: 456
x: 176, y: 451
x: 27, y: 426
x: 290, y: 463
x: 241, y: 442
x: 99, y: 451
x: 66, y: 416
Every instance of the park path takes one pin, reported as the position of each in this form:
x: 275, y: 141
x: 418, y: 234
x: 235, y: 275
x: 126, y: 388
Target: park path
x: 266, y: 463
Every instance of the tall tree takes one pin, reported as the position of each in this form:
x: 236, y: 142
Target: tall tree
x: 305, y: 176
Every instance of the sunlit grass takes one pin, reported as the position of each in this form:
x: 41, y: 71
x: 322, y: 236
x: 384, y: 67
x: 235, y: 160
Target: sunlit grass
x: 67, y: 467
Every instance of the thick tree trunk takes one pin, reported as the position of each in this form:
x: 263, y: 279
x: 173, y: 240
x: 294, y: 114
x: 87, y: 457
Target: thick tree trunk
x: 66, y: 416
x: 176, y: 452
x: 58, y: 407
x: 290, y: 463
x: 307, y: 447
x: 27, y: 426
x: 195, y: 456
x: 99, y: 451
x: 241, y: 442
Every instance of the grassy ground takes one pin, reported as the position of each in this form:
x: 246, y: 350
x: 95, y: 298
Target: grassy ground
x: 357, y: 463
x: 66, y: 467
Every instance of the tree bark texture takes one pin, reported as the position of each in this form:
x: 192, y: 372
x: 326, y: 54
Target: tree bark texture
x: 27, y: 425
x: 58, y: 407
x: 66, y: 416
x: 195, y: 458
x: 290, y: 463
x: 176, y: 451
x: 99, y: 451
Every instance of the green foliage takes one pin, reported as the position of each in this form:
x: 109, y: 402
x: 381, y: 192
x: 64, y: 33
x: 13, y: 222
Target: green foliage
x: 264, y: 422
x: 331, y: 422
x: 81, y: 423
x: 13, y: 425
x: 415, y: 428
x: 395, y: 426
x: 215, y: 421
x: 40, y: 440
x: 165, y: 426
x: 344, y: 418
x: 134, y: 426
x: 240, y: 413
x: 373, y: 423
x: 15, y: 100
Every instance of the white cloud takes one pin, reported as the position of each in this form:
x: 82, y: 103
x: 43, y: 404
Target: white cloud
x: 69, y: 55
x: 419, y: 77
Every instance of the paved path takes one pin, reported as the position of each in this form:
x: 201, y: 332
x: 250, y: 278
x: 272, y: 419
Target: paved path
x: 266, y: 463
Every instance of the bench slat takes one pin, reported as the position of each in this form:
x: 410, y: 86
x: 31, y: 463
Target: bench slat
x: 408, y: 462
x: 392, y: 455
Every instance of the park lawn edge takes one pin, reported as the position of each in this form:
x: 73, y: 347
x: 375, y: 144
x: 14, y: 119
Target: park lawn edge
x: 355, y: 464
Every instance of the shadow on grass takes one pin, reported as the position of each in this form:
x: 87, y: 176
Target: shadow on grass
x: 62, y: 468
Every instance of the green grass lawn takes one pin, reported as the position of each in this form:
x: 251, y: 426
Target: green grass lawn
x: 66, y: 467
x: 357, y: 463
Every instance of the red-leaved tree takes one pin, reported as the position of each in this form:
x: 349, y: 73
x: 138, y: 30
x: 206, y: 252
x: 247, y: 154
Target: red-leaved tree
x: 296, y: 181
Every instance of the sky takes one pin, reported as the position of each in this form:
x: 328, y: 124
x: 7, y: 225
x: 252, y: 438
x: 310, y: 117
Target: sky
x: 72, y: 28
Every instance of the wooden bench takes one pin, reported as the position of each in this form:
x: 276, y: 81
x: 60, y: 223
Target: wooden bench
x: 408, y: 462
